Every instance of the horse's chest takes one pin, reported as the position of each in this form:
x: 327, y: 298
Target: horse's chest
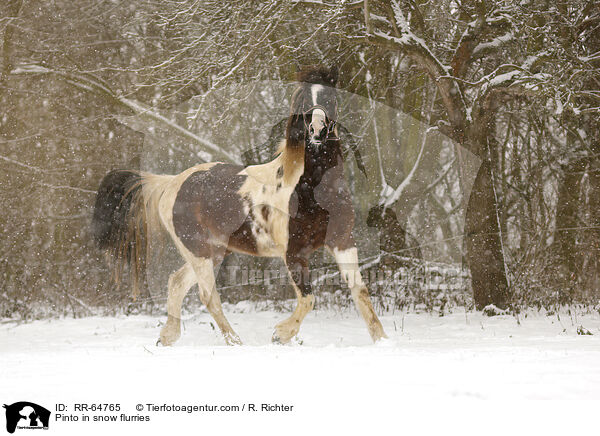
x: 268, y: 224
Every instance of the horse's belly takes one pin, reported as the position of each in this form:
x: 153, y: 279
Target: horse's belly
x: 268, y: 247
x: 263, y: 245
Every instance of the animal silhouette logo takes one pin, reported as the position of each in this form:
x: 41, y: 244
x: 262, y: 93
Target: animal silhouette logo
x: 26, y: 415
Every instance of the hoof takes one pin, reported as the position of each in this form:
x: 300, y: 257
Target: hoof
x: 170, y: 332
x: 232, y: 339
x: 167, y: 341
x: 283, y: 333
x: 295, y: 340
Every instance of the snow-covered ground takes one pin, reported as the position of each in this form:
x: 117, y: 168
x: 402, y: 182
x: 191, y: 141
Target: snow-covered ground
x: 428, y: 377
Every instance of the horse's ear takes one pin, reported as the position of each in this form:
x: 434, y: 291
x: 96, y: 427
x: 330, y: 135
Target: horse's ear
x: 333, y: 75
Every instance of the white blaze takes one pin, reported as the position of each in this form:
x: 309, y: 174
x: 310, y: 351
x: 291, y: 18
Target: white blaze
x: 318, y: 115
x: 314, y: 90
x: 318, y: 122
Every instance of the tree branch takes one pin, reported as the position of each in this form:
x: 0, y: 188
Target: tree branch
x: 367, y: 16
x: 96, y: 86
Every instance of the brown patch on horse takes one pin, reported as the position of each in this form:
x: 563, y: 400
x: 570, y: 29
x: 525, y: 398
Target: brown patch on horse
x: 265, y: 212
x: 209, y: 212
x: 242, y: 239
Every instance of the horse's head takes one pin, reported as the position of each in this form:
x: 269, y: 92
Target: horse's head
x: 313, y: 117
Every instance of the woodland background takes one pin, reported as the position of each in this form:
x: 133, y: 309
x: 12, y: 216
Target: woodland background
x: 93, y: 85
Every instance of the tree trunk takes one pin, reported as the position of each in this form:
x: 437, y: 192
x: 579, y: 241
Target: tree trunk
x: 567, y: 208
x: 484, y: 247
x: 591, y: 264
x: 12, y: 9
x: 485, y: 254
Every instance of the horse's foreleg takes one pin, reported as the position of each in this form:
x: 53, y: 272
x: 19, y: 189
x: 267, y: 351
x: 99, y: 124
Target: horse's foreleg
x: 211, y: 299
x: 347, y: 261
x: 179, y: 284
x: 298, y: 271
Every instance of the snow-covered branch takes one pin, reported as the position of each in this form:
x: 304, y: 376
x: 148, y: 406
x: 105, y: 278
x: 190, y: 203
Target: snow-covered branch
x: 516, y: 76
x: 417, y: 49
x: 485, y: 47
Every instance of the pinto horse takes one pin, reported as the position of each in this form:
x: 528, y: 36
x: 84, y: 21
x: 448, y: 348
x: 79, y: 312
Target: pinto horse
x: 287, y: 208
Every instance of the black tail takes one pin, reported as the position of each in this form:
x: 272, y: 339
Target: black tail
x: 119, y: 223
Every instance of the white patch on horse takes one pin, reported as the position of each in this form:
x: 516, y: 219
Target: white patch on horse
x: 266, y: 190
x: 347, y: 261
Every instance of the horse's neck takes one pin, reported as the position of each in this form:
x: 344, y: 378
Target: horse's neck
x: 317, y: 188
x: 323, y: 164
x: 291, y: 162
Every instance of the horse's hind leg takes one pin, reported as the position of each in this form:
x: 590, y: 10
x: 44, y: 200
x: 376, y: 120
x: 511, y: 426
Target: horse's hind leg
x: 203, y: 267
x: 179, y: 284
x: 298, y: 271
